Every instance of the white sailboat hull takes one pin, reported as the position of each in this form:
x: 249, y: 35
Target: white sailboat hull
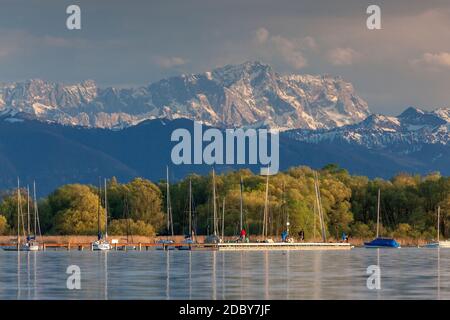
x: 23, y: 247
x: 164, y: 245
x: 101, y: 246
x: 438, y: 244
x: 33, y: 247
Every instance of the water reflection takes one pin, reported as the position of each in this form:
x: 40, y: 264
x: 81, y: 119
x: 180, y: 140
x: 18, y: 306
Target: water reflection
x: 167, y: 274
x: 223, y: 275
x: 405, y: 273
x: 27, y: 268
x: 266, y: 275
x: 105, y: 264
x: 438, y: 273
x: 18, y: 274
x: 190, y: 275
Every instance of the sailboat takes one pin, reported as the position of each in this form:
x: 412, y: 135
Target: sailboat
x: 438, y: 243
x: 286, y: 243
x: 31, y: 243
x: 189, y: 239
x: 285, y: 234
x: 266, y: 212
x: 214, y: 237
x: 102, y: 243
x: 169, y: 218
x: 242, y: 232
x: 380, y: 242
x: 319, y: 207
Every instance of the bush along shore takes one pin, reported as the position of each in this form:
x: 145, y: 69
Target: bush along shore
x: 138, y: 208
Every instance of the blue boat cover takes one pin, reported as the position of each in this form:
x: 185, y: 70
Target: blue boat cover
x: 383, y: 242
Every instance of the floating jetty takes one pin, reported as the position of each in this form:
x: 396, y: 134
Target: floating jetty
x: 282, y: 246
x: 232, y: 246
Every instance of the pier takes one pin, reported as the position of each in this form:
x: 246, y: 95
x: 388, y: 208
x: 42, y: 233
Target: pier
x: 121, y: 246
x: 232, y: 246
x: 260, y: 246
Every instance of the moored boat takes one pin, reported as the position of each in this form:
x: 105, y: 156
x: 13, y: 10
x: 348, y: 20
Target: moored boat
x: 190, y: 238
x: 166, y: 243
x: 380, y: 242
x: 214, y: 238
x: 102, y: 243
x: 438, y: 243
x: 31, y: 243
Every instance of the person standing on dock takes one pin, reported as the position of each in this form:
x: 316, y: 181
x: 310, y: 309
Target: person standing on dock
x: 243, y: 235
x: 301, y: 234
x: 284, y: 236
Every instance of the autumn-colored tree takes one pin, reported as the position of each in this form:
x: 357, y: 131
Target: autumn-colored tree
x: 75, y: 209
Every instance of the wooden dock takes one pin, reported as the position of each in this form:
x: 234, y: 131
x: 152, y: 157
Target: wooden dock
x: 122, y: 246
x: 282, y: 246
x: 232, y: 246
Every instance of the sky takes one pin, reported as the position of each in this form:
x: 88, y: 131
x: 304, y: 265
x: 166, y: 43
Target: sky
x: 135, y: 42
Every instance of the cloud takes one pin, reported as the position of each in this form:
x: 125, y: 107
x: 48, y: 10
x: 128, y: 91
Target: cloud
x: 261, y: 35
x: 289, y: 50
x: 169, y: 62
x: 343, y: 56
x: 434, y: 61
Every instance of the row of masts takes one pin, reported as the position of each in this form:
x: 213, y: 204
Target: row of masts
x: 99, y: 229
x: 169, y: 214
x: 215, y: 232
x: 28, y: 234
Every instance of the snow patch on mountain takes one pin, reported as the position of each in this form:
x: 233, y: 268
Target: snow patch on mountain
x: 412, y: 128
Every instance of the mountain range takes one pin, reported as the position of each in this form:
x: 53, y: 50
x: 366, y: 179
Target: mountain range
x: 406, y: 133
x: 57, y: 134
x: 249, y: 94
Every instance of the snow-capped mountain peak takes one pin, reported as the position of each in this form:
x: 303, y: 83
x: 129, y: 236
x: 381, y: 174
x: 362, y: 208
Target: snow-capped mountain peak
x: 248, y: 94
x: 412, y: 128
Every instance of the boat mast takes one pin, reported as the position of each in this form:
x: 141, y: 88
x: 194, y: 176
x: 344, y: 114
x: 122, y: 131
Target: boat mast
x: 319, y: 206
x: 214, y: 205
x: 106, y: 213
x: 35, y: 208
x: 284, y: 208
x: 438, y: 227
x: 223, y: 218
x: 28, y: 211
x: 190, y: 208
x: 18, y: 211
x: 167, y: 200
x: 126, y: 209
x: 314, y: 214
x: 265, y: 217
x: 98, y: 207
x: 37, y: 223
x: 378, y: 212
x: 241, y: 225
x: 169, y: 207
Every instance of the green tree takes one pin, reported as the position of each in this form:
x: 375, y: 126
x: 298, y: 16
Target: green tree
x: 145, y: 202
x: 4, y: 227
x: 75, y: 210
x: 129, y: 226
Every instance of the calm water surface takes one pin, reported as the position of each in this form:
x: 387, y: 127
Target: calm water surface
x: 407, y: 273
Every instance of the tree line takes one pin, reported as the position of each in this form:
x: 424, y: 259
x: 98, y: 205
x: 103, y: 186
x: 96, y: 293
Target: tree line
x: 408, y: 205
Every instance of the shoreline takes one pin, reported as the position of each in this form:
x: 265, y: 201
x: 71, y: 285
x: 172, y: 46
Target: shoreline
x: 67, y: 239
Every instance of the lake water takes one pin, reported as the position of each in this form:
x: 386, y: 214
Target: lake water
x: 407, y: 273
